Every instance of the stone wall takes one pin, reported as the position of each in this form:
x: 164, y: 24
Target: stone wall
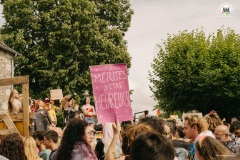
x: 6, y: 71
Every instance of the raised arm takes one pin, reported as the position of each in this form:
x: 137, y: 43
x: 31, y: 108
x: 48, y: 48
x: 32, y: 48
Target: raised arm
x: 111, y: 149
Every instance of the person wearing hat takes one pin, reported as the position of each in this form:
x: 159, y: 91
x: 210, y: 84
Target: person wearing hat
x: 51, y: 109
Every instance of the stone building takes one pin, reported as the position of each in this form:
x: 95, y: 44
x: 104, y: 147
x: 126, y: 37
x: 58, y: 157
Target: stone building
x: 6, y: 71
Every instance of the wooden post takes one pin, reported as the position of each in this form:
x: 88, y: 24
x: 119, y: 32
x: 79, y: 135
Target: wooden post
x: 25, y: 92
x: 14, y: 80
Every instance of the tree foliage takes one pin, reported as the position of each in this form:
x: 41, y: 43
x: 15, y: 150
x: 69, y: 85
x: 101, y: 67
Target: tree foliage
x: 59, y: 39
x: 195, y: 71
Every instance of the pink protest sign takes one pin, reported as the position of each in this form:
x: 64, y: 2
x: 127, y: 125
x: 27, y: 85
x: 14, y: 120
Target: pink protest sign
x: 111, y: 92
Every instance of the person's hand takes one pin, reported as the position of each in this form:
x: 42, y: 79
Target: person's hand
x: 116, y: 128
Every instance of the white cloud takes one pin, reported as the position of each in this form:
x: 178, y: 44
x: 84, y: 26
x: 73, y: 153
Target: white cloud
x: 2, y: 20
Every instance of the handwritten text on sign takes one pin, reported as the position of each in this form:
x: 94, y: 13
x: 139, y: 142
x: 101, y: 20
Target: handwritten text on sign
x: 56, y: 94
x: 111, y: 92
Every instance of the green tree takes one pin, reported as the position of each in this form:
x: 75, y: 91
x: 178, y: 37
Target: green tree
x: 59, y: 40
x: 192, y: 71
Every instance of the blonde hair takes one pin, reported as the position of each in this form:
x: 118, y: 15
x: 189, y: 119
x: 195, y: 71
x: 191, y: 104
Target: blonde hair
x: 30, y: 149
x: 64, y: 102
x: 198, y: 121
x: 213, y: 121
x: 10, y: 100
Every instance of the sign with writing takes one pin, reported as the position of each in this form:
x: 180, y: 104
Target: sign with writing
x: 56, y: 94
x: 111, y: 92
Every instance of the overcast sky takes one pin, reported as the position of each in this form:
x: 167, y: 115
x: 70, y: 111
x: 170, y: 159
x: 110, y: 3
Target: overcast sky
x: 151, y: 22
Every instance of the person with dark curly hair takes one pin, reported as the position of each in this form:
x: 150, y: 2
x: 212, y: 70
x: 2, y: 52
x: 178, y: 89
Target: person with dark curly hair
x: 76, y: 140
x: 12, y: 147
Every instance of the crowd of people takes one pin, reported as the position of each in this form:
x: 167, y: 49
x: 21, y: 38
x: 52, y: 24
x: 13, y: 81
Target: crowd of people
x: 48, y: 109
x: 196, y: 137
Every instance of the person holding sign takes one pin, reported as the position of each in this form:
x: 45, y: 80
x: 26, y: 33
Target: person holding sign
x: 51, y: 109
x: 111, y: 92
x: 88, y: 111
